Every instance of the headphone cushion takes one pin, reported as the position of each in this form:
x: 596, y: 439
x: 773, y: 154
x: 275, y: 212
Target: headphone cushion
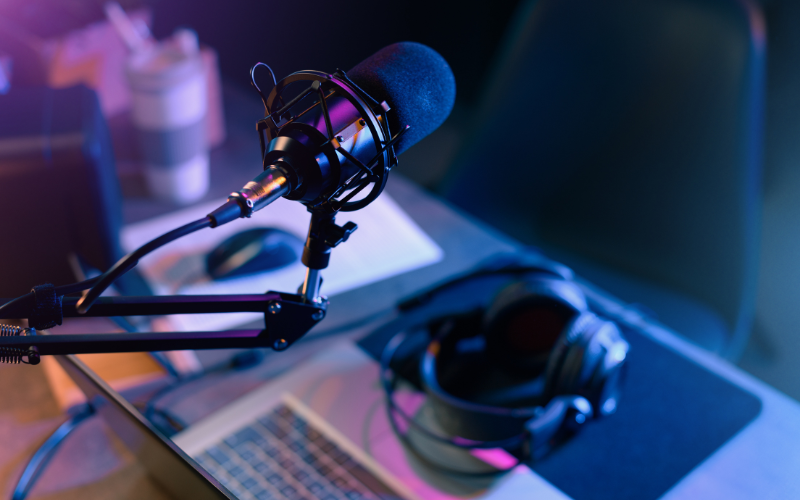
x: 572, y: 358
x: 526, y: 319
x: 588, y: 361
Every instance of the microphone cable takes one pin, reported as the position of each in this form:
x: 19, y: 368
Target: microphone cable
x: 128, y: 262
x: 97, y: 285
x: 59, y: 291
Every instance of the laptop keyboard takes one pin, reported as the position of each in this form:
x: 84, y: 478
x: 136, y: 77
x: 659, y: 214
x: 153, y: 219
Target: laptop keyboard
x: 280, y: 456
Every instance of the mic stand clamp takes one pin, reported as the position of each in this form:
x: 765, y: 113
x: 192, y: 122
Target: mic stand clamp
x: 323, y: 235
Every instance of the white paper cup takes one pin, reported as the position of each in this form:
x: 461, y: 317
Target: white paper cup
x: 168, y: 89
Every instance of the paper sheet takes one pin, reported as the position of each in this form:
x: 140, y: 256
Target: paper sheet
x: 388, y: 242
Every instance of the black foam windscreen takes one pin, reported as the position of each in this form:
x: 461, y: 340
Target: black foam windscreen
x: 415, y: 81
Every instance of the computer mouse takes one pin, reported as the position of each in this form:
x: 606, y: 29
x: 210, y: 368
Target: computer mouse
x: 253, y: 251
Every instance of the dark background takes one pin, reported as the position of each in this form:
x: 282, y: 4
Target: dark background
x: 296, y: 35
x: 324, y: 35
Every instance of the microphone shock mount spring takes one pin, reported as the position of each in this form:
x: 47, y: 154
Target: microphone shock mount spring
x: 14, y: 355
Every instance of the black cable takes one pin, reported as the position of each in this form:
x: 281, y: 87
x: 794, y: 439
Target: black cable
x: 175, y: 423
x: 18, y: 301
x: 76, y: 287
x: 511, y: 270
x: 419, y: 299
x: 7, y: 308
x: 243, y: 360
x: 239, y: 361
x: 181, y: 381
x: 129, y: 261
x: 267, y: 111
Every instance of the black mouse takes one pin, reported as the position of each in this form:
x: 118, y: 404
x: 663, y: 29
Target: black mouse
x: 252, y: 252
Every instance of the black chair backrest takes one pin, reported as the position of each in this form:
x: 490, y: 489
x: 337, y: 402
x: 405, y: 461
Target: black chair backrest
x: 629, y: 133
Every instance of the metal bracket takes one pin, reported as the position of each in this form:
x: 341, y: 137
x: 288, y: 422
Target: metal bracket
x: 334, y: 234
x: 287, y: 318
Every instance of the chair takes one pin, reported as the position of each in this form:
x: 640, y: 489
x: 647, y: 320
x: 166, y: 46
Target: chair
x: 624, y: 138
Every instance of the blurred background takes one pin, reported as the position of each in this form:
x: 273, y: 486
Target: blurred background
x: 653, y: 148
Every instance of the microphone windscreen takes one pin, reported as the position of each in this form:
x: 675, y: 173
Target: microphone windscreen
x: 415, y: 81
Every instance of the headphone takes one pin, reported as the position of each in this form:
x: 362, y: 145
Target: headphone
x: 523, y: 373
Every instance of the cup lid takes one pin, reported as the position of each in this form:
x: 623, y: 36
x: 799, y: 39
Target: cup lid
x: 166, y: 63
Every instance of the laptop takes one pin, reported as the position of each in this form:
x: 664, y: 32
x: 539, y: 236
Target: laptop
x: 320, y: 431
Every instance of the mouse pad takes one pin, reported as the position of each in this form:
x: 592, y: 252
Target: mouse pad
x: 673, y: 415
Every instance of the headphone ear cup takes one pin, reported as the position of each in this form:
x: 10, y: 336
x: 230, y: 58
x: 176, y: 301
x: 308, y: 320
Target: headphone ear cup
x: 589, y: 361
x: 567, y: 361
x: 525, y: 320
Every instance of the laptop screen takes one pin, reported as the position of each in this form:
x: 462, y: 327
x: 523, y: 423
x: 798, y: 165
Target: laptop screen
x: 165, y: 463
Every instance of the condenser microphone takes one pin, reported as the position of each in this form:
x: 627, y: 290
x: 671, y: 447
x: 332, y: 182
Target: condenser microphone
x: 342, y: 132
x: 324, y: 145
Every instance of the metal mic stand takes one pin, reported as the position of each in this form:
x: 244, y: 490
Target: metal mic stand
x: 287, y: 317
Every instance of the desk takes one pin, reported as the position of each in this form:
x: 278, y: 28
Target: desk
x: 761, y: 461
x: 29, y: 413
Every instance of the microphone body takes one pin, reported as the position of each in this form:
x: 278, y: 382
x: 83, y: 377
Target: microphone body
x: 267, y: 187
x: 330, y: 141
